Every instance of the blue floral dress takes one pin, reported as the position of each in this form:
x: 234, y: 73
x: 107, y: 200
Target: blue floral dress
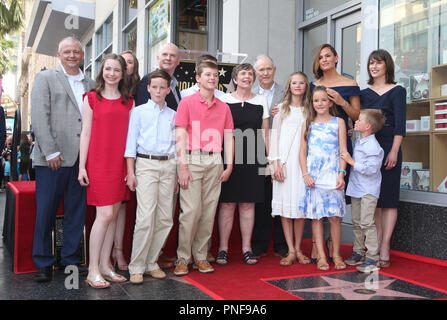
x: 323, y: 157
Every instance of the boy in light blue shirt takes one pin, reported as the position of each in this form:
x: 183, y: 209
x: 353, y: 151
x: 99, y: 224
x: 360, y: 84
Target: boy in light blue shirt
x: 364, y: 189
x: 151, y: 172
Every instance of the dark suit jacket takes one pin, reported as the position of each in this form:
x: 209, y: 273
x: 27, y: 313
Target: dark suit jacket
x: 142, y: 95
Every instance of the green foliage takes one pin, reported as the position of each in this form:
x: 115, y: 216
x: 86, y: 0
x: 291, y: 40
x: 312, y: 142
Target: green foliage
x: 11, y: 20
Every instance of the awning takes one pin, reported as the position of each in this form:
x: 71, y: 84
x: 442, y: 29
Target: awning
x: 54, y: 20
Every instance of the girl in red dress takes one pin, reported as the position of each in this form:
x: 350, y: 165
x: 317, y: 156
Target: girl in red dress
x: 102, y: 167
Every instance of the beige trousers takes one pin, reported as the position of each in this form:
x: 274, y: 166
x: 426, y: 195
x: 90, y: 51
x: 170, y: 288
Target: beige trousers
x: 364, y: 226
x: 199, y: 203
x: 155, y: 189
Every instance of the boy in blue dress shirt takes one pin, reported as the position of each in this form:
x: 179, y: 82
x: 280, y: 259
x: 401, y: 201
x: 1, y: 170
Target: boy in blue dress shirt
x: 151, y: 171
x: 364, y: 189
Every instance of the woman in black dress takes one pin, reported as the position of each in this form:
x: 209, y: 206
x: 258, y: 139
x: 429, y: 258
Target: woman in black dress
x: 384, y: 94
x: 245, y: 186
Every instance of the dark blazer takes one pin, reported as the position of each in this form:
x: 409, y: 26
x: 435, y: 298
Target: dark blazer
x: 142, y: 95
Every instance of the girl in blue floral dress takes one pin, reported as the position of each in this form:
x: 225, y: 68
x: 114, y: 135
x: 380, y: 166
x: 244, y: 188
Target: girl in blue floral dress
x: 323, y: 137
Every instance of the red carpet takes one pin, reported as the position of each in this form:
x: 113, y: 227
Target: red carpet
x: 238, y: 281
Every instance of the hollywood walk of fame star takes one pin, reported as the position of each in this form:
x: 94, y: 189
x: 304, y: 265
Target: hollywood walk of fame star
x: 222, y: 72
x: 358, y: 290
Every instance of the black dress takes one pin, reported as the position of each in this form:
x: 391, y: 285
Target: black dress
x: 394, y: 107
x: 246, y: 182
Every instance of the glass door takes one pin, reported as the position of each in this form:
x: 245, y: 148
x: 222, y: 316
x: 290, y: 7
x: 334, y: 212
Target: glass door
x: 347, y: 43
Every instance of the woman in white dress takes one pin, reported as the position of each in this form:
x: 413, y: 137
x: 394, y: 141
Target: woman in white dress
x: 288, y: 184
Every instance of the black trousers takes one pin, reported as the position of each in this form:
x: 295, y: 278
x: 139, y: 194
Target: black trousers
x: 262, y: 230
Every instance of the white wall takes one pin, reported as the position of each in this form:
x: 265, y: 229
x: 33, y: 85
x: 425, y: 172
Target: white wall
x: 257, y: 27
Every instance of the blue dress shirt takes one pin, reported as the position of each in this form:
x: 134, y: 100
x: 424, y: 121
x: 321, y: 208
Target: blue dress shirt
x: 365, y: 177
x: 151, y: 130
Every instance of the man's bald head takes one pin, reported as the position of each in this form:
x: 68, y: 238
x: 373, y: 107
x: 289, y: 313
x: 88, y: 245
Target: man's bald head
x: 168, y: 58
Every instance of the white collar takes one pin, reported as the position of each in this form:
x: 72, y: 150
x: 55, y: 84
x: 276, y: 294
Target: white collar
x: 79, y: 76
x: 262, y: 90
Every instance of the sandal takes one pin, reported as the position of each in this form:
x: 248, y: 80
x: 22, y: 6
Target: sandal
x: 383, y: 263
x: 98, y: 283
x: 112, y: 276
x: 339, y: 263
x: 222, y: 255
x: 312, y: 259
x: 247, y: 256
x: 288, y: 260
x: 322, y: 264
x: 302, y: 259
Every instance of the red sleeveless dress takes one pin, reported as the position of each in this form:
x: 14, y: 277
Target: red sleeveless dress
x: 106, y: 165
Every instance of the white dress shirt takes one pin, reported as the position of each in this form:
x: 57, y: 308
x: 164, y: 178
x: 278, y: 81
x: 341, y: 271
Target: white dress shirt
x: 77, y: 86
x: 365, y: 177
x: 268, y: 93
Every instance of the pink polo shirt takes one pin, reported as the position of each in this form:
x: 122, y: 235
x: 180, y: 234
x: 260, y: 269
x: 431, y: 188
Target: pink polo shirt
x: 205, y: 125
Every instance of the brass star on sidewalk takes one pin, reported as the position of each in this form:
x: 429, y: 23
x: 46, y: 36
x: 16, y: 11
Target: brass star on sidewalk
x: 358, y: 290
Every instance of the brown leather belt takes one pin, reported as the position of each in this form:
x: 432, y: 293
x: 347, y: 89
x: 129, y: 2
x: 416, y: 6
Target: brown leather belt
x: 201, y: 152
x: 154, y: 157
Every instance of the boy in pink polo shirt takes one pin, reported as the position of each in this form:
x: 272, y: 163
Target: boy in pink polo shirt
x: 202, y: 123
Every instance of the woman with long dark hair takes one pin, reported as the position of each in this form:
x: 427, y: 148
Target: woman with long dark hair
x: 384, y: 94
x: 102, y: 167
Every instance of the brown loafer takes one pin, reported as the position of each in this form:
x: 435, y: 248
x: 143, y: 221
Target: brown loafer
x: 136, y: 278
x: 157, y: 274
x: 203, y: 266
x: 181, y: 268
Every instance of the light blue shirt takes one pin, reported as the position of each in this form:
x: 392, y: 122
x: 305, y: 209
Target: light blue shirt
x: 151, y: 130
x: 365, y: 177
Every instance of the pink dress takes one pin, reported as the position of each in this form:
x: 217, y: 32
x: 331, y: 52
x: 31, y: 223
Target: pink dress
x: 106, y: 166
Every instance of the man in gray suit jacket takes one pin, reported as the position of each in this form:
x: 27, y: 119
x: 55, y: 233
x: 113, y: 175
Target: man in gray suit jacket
x: 56, y: 101
x: 262, y: 230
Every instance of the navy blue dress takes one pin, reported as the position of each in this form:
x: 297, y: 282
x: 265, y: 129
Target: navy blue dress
x: 394, y: 107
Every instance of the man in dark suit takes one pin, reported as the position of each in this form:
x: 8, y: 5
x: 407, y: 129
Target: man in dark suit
x: 262, y: 231
x: 168, y: 59
x: 56, y: 100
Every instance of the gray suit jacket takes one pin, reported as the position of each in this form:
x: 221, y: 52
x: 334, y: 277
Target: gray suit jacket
x: 277, y: 96
x: 55, y: 117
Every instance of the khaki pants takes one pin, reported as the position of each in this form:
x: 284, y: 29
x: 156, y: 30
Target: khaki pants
x: 155, y: 190
x: 199, y: 203
x: 364, y: 227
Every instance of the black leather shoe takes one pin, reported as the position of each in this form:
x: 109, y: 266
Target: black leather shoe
x: 44, y: 275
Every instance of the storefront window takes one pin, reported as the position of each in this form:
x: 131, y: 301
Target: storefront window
x: 415, y: 34
x: 192, y: 26
x: 130, y: 10
x: 130, y: 38
x: 313, y: 8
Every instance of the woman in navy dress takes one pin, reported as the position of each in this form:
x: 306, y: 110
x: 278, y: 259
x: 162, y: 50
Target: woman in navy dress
x: 384, y: 94
x: 345, y: 94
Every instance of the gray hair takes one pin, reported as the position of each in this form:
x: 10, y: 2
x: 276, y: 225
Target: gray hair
x: 263, y: 56
x: 71, y: 39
